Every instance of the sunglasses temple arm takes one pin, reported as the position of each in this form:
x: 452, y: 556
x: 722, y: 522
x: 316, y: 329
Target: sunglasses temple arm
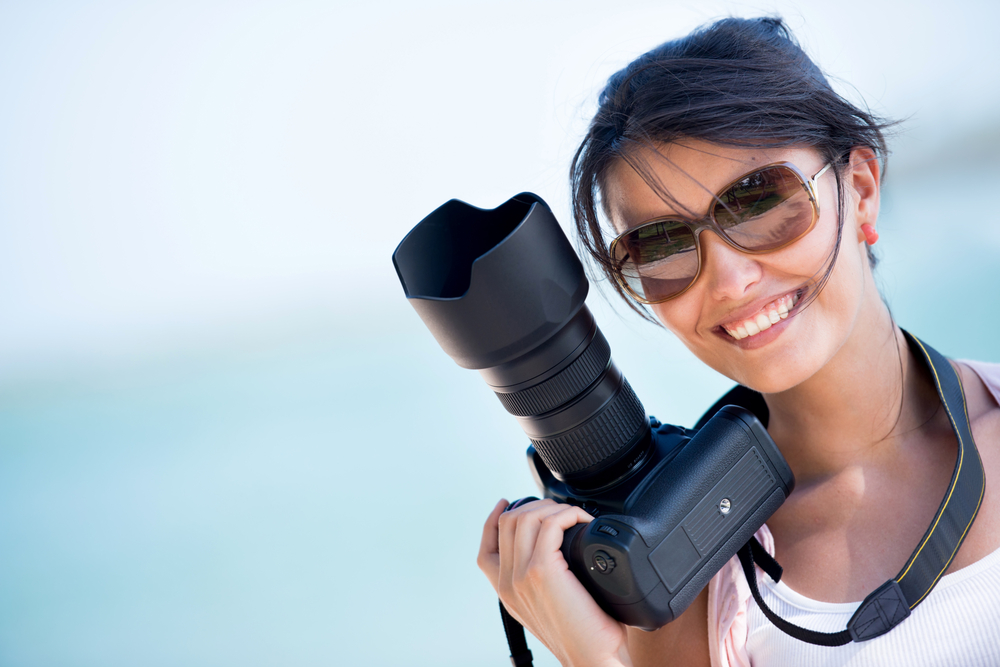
x: 820, y: 173
x: 812, y: 181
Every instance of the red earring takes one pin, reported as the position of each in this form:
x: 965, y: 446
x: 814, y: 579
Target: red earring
x: 870, y: 234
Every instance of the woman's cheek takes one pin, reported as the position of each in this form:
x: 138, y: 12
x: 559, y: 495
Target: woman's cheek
x: 683, y: 324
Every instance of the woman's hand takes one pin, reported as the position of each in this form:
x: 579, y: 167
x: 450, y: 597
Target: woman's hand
x: 520, y: 556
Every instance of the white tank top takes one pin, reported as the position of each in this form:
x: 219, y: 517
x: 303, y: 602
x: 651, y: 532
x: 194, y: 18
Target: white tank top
x: 958, y: 624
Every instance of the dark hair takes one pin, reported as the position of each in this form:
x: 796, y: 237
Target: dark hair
x: 735, y: 82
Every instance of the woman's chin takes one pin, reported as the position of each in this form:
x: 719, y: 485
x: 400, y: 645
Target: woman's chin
x: 771, y: 371
x: 772, y: 385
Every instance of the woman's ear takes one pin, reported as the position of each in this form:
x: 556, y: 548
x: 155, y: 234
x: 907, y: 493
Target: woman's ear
x: 864, y: 178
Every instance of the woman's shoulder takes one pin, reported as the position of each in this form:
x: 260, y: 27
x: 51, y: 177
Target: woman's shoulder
x: 986, y: 372
x: 981, y: 382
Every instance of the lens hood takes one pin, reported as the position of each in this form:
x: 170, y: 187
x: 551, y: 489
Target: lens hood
x: 491, y: 284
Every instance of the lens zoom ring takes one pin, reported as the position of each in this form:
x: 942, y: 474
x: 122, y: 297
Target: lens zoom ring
x: 597, y: 439
x: 568, y: 383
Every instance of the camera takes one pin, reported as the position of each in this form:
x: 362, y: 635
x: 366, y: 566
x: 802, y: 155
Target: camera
x: 503, y: 292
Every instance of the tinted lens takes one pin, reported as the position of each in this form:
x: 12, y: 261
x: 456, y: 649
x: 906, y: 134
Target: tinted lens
x: 766, y: 209
x: 658, y: 260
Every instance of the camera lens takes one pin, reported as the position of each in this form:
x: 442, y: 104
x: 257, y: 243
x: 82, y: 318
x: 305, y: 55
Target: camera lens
x: 503, y: 291
x: 580, y: 412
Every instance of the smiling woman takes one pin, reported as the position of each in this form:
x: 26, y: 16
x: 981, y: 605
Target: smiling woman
x: 725, y: 186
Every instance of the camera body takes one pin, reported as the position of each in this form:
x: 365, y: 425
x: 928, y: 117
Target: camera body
x: 661, y: 535
x: 503, y: 292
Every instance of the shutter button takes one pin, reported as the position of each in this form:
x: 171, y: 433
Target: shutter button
x: 603, y: 563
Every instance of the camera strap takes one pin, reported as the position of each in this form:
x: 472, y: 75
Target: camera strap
x: 889, y: 604
x: 520, y: 654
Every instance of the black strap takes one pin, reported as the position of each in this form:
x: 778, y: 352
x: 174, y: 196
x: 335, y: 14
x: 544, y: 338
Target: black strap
x: 520, y: 656
x: 764, y: 560
x: 890, y: 603
x: 747, y: 553
x: 965, y: 491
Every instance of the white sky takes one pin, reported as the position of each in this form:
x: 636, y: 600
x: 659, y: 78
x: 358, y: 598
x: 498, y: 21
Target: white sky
x: 170, y: 172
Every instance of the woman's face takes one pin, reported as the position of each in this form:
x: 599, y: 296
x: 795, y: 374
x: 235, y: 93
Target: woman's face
x: 734, y: 289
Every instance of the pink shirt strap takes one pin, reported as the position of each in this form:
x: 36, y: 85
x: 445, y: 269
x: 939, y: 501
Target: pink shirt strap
x: 988, y: 373
x: 728, y: 596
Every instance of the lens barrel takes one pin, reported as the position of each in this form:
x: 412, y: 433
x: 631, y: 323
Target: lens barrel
x: 503, y: 292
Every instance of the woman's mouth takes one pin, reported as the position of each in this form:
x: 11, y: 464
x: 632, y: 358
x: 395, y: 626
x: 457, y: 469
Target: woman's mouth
x: 767, y: 316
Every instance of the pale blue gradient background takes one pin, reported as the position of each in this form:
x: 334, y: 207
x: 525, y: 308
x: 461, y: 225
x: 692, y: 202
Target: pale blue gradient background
x: 225, y: 437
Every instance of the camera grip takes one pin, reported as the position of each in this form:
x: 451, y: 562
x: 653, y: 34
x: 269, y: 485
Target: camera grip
x: 568, y: 537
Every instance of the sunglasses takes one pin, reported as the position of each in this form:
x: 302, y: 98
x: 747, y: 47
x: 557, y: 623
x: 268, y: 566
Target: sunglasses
x: 759, y: 212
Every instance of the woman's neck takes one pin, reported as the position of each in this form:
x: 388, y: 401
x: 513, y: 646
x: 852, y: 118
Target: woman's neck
x: 857, y: 408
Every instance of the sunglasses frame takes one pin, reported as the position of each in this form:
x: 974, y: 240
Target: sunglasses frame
x: 709, y: 222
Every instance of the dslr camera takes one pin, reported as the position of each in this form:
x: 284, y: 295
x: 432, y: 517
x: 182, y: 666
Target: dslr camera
x: 503, y: 292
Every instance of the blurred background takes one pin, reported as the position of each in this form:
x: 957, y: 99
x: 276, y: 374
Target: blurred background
x: 225, y: 436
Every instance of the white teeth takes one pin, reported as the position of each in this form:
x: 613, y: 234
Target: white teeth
x: 771, y: 314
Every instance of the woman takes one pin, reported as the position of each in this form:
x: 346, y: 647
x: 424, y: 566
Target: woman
x: 790, y: 309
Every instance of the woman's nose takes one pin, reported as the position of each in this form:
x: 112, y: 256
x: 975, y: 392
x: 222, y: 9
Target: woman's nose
x: 729, y: 274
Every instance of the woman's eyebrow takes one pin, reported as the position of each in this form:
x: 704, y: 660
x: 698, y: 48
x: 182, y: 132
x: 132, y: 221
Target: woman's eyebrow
x: 635, y: 215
